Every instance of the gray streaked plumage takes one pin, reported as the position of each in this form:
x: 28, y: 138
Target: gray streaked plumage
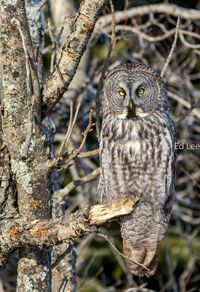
x: 137, y: 155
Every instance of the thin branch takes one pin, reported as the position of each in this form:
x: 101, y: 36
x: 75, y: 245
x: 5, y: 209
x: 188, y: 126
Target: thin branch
x: 143, y: 35
x: 172, y: 49
x: 72, y: 121
x: 90, y: 153
x: 42, y: 4
x: 185, y: 103
x: 54, y: 46
x: 60, y: 162
x: 186, y: 275
x: 86, y: 132
x: 186, y: 43
x: 190, y: 33
x: 121, y: 254
x: 29, y: 84
x: 187, y: 113
x: 164, y: 8
x: 105, y: 68
x: 78, y: 182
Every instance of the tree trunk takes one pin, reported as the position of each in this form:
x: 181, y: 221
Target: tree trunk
x: 22, y: 133
x: 26, y: 178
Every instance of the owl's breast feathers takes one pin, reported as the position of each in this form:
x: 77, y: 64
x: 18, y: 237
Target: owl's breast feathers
x: 138, y: 157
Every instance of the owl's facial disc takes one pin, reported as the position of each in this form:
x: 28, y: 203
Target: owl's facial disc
x: 132, y: 95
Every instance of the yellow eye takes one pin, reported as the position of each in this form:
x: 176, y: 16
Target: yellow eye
x: 122, y: 92
x: 140, y: 91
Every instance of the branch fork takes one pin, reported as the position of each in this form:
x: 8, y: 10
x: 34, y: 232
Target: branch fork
x: 65, y: 229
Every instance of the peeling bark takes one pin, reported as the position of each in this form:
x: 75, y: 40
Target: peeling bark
x: 65, y: 229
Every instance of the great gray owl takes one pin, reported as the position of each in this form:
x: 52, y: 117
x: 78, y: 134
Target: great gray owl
x: 137, y: 156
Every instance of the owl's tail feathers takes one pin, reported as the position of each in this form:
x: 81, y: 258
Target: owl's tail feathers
x: 141, y: 260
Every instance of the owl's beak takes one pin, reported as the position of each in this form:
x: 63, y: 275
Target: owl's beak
x: 132, y: 108
x: 135, y: 111
x: 132, y: 105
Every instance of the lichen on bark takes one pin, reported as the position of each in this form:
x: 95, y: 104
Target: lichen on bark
x: 31, y: 175
x: 26, y: 179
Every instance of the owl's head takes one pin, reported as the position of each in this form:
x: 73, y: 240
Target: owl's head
x: 134, y: 91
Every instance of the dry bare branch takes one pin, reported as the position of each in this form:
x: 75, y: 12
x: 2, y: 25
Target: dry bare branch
x: 18, y: 232
x: 143, y: 35
x: 172, y: 49
x: 105, y: 68
x: 78, y: 182
x: 121, y: 254
x: 164, y: 8
x: 70, y: 54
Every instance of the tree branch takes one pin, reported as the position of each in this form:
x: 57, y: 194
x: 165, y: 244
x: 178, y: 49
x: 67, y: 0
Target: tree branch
x: 172, y: 49
x: 62, y: 193
x: 70, y: 54
x: 18, y: 232
x: 170, y: 9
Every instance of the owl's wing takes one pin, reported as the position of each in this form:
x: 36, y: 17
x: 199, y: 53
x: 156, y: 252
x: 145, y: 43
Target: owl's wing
x: 170, y: 175
x: 105, y: 187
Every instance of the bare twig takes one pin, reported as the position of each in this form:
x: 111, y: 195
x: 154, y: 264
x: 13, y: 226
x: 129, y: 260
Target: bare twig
x: 78, y: 182
x: 29, y: 84
x: 185, y: 103
x: 170, y: 268
x: 105, y: 67
x: 42, y: 4
x: 144, y: 35
x: 61, y: 162
x: 185, y: 276
x: 121, y: 254
x: 87, y: 154
x: 172, y: 49
x: 54, y: 46
x: 186, y: 114
x: 86, y: 131
x: 164, y: 8
x: 186, y: 43
x: 72, y: 121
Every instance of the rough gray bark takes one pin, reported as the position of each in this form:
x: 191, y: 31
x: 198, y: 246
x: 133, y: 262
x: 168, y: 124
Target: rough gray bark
x: 25, y: 175
x: 70, y: 54
x: 63, y: 12
x: 30, y: 174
